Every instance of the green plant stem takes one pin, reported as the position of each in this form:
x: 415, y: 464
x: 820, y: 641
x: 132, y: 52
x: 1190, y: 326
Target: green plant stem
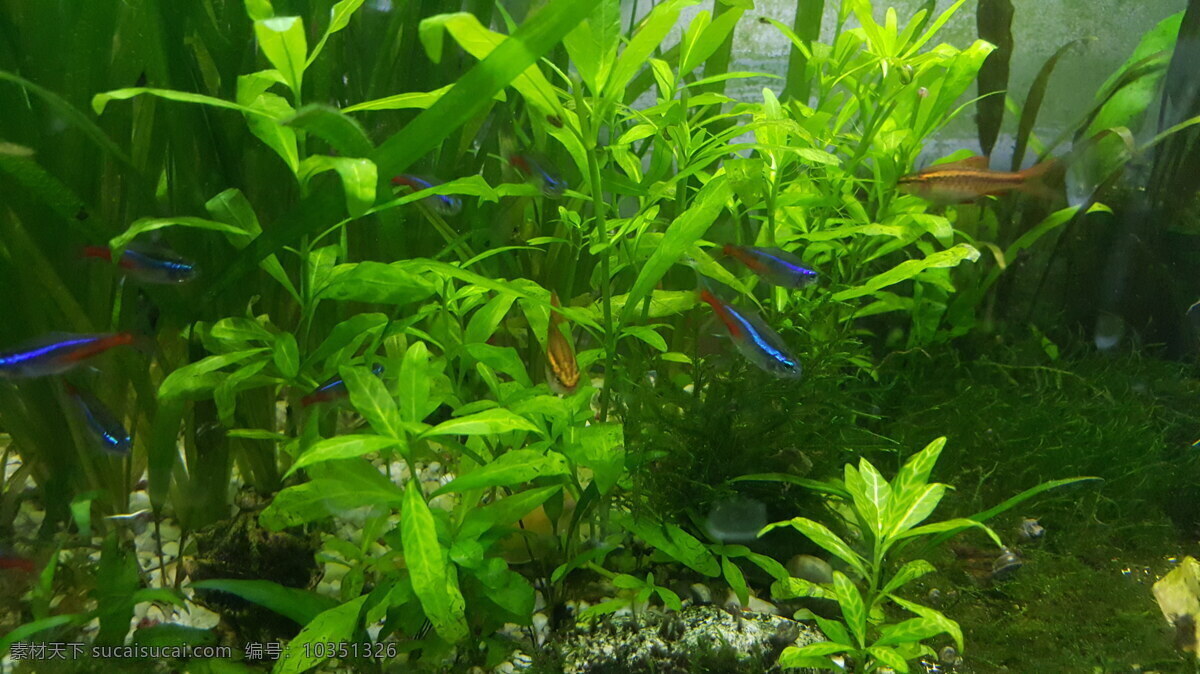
x: 599, y: 211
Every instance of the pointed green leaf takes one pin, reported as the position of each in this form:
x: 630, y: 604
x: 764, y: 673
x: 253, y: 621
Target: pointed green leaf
x: 488, y: 422
x: 336, y: 625
x: 906, y: 270
x: 373, y: 401
x: 414, y: 382
x: 341, y: 447
x: 513, y: 467
x: 376, y: 282
x: 737, y: 581
x: 431, y: 578
x: 287, y: 355
x: 822, y: 536
x: 339, y: 18
x: 343, y: 133
x: 202, y: 375
x: 889, y: 657
x: 914, y: 475
x: 950, y: 527
x: 905, y: 516
x: 282, y: 41
x: 948, y: 626
x: 908, y: 573
x: 301, y: 606
x: 851, y: 603
x: 358, y: 179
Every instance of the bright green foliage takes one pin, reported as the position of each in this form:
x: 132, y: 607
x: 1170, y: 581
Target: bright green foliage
x: 886, y: 518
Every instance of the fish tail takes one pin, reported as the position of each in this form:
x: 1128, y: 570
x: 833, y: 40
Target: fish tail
x: 1035, y: 179
x: 745, y: 258
x: 100, y: 346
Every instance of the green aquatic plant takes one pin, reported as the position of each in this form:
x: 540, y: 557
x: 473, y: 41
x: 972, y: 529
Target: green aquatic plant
x: 885, y: 518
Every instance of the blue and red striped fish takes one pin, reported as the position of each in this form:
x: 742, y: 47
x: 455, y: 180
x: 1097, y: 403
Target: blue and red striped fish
x: 757, y: 342
x: 148, y: 265
x: 56, y: 353
x: 775, y: 265
x: 443, y: 204
x: 104, y: 431
x: 540, y: 171
x: 333, y: 389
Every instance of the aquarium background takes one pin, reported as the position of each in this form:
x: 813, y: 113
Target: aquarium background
x: 599, y: 336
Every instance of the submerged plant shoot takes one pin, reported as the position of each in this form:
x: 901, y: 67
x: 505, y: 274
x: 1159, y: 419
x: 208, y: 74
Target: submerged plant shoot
x: 599, y: 336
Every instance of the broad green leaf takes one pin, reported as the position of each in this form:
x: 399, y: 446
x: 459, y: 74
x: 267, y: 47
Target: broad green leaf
x: 675, y: 543
x: 139, y: 227
x: 948, y: 626
x: 287, y: 355
x: 341, y: 447
x: 376, y: 282
x: 819, y: 648
x: 822, y: 536
x: 648, y: 335
x: 864, y: 506
x: 372, y: 400
x: 682, y: 233
x: 282, y: 41
x: 909, y: 268
x: 339, y: 18
x: 426, y: 561
x: 259, y: 9
x: 908, y: 573
x: 335, y: 625
x: 513, y: 467
x: 412, y: 99
x: 343, y: 133
x: 501, y: 359
x: 592, y: 46
x: 197, y: 377
x: 834, y: 630
x: 358, y: 179
x: 225, y: 394
x: 790, y: 658
x: 506, y: 511
x: 600, y: 447
x: 349, y: 332
x: 1126, y: 105
x: 904, y: 516
x: 887, y: 655
x: 26, y: 630
x: 488, y: 422
x: 301, y: 606
x: 914, y: 475
x: 851, y: 603
x: 876, y: 488
x: 414, y: 382
x: 951, y: 527
x: 911, y: 630
x: 792, y: 588
x: 487, y: 318
x: 737, y: 581
x: 336, y: 487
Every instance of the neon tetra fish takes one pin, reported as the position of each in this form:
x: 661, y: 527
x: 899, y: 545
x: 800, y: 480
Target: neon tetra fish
x: 775, y: 265
x: 758, y: 343
x: 562, y: 370
x: 102, y: 427
x: 443, y: 204
x: 970, y: 179
x: 56, y: 353
x: 148, y: 265
x: 540, y: 171
x: 333, y: 389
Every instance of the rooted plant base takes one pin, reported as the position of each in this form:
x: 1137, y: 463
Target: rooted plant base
x: 243, y: 550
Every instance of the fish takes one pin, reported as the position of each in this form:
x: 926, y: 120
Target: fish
x: 9, y: 560
x: 758, y: 343
x: 969, y: 179
x: 443, y: 204
x: 562, y: 369
x: 775, y: 265
x: 333, y: 389
x: 148, y: 265
x: 57, y: 352
x: 540, y: 171
x: 102, y: 427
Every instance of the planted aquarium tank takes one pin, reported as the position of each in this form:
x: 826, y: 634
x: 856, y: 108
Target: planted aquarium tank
x: 600, y: 336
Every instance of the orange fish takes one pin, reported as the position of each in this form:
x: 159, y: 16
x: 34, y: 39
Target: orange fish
x: 562, y: 370
x: 967, y: 180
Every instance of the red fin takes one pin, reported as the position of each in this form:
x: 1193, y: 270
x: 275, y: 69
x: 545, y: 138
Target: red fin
x: 100, y: 346
x: 740, y: 254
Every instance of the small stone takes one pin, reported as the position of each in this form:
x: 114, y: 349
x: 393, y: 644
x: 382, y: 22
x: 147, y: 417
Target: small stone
x: 810, y: 568
x: 700, y: 594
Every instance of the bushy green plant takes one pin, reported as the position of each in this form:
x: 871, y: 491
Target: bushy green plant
x: 884, y: 518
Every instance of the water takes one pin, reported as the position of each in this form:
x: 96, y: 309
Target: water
x: 349, y: 452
